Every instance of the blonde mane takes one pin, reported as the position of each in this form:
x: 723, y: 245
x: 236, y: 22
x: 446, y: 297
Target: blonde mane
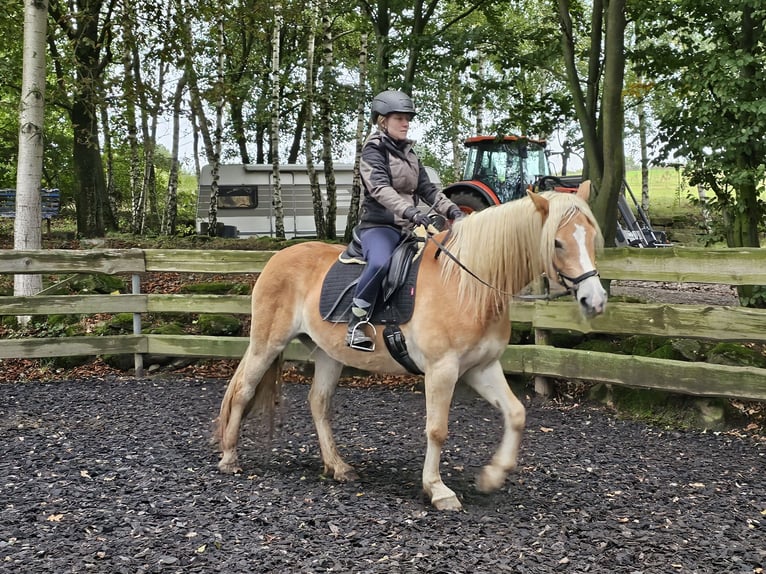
x: 507, y: 246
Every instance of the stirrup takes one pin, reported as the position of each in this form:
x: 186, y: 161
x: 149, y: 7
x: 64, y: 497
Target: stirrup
x: 358, y: 340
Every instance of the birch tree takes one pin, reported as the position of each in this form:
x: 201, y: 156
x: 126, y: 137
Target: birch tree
x: 328, y: 81
x: 362, y: 130
x: 171, y: 205
x: 276, y: 200
x: 316, y: 192
x: 28, y: 222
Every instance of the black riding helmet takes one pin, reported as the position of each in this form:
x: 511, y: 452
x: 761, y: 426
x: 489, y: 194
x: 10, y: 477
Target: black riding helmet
x: 390, y: 102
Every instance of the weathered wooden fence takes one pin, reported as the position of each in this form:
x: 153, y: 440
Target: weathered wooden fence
x: 708, y: 322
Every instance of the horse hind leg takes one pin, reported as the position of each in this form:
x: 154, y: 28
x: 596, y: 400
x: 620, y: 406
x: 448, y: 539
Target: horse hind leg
x: 490, y: 383
x: 326, y: 374
x: 255, y: 385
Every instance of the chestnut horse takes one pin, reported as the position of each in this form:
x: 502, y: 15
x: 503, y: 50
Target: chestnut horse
x: 459, y: 327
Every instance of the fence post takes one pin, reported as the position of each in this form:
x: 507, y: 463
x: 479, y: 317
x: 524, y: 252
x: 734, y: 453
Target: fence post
x: 138, y: 358
x: 543, y: 385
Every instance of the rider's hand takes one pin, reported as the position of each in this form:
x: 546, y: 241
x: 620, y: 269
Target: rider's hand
x: 417, y: 217
x: 455, y: 213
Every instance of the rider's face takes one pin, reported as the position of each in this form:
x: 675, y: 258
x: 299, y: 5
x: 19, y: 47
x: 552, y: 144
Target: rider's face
x: 397, y: 125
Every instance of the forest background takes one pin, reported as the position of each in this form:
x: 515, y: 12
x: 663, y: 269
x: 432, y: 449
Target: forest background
x: 285, y: 82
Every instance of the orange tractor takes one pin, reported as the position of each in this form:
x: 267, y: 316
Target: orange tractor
x: 499, y: 169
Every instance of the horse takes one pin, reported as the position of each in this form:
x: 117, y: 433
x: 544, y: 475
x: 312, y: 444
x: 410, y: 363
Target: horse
x: 460, y: 326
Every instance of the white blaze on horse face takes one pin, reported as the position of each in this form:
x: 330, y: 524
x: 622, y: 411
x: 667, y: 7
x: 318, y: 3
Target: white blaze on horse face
x: 580, y: 235
x: 590, y: 293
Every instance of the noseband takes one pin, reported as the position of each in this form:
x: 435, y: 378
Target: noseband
x: 574, y: 282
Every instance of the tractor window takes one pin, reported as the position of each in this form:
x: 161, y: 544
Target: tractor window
x: 536, y: 162
x: 470, y: 163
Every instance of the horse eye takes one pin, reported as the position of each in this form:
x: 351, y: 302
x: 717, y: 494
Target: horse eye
x: 557, y: 244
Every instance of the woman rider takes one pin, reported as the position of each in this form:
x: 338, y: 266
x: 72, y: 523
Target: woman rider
x: 394, y: 182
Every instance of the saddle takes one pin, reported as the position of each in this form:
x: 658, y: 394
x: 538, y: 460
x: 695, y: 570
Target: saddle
x: 397, y: 299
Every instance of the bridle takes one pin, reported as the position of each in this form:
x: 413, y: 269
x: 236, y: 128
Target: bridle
x: 562, y: 279
x: 574, y: 282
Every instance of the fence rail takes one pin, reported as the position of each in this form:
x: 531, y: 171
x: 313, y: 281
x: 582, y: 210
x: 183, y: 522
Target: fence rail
x: 682, y: 265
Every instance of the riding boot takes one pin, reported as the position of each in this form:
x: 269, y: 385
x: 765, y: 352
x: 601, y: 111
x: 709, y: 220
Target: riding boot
x: 356, y: 338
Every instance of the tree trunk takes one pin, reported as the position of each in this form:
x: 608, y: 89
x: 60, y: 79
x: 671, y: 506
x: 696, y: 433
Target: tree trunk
x: 328, y: 83
x: 27, y: 225
x: 199, y: 118
x: 238, y: 126
x: 612, y: 121
x: 316, y: 192
x: 604, y: 161
x: 89, y: 168
x: 276, y: 200
x: 215, y: 163
x: 149, y: 112
x: 137, y: 203
x: 112, y: 194
x: 298, y: 131
x: 85, y: 33
x: 171, y: 206
x: 362, y: 129
x: 584, y: 102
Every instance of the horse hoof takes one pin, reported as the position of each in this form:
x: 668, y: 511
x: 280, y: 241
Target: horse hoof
x: 451, y: 504
x: 490, y: 479
x: 346, y: 475
x: 229, y: 468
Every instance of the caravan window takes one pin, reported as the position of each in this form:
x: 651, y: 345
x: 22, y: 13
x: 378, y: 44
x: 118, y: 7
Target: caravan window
x: 237, y: 196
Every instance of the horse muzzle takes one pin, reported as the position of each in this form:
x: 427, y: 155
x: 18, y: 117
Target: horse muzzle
x: 587, y: 290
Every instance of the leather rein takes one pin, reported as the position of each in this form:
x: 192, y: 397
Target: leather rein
x: 562, y: 279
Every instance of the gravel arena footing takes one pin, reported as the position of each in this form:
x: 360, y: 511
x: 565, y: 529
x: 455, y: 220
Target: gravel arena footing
x: 116, y: 475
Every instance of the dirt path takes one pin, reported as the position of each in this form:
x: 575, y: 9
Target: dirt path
x: 115, y: 475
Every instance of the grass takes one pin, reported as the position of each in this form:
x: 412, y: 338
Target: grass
x: 668, y: 193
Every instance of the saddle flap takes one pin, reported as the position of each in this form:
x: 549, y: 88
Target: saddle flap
x: 399, y: 268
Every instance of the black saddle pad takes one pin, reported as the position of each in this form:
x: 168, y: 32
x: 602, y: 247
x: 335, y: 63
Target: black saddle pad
x: 338, y: 292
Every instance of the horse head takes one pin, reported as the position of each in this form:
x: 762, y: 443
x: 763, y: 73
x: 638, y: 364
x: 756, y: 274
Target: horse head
x: 571, y: 237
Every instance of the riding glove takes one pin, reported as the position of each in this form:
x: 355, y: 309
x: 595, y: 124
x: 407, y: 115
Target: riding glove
x: 417, y: 217
x: 455, y: 213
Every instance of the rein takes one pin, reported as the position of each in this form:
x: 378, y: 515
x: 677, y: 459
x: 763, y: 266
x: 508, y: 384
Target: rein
x: 441, y: 248
x: 562, y: 278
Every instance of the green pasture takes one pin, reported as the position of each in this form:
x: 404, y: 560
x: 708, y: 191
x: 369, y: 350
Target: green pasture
x: 668, y: 193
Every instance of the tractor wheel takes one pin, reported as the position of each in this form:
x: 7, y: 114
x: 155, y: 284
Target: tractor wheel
x: 468, y: 202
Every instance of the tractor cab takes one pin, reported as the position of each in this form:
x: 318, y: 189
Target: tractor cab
x: 497, y: 170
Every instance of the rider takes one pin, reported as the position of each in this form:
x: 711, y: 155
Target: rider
x: 394, y: 181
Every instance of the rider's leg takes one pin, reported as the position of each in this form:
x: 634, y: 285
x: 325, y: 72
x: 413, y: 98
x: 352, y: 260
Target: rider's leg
x: 378, y: 243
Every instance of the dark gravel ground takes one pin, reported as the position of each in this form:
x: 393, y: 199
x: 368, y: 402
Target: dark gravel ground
x: 115, y: 475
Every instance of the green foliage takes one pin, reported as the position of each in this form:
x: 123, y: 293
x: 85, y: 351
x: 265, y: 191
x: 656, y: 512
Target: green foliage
x: 119, y: 324
x: 708, y: 94
x: 752, y: 296
x: 736, y: 354
x: 41, y: 326
x: 166, y: 329
x: 219, y: 325
x: 98, y: 283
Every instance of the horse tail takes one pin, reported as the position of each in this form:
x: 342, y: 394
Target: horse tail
x: 261, y: 398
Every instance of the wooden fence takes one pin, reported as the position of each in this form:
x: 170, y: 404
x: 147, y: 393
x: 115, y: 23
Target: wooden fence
x: 707, y: 322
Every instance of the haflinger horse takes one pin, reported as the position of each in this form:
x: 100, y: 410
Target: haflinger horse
x: 458, y: 330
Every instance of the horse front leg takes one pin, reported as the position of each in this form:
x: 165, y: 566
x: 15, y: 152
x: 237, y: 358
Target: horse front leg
x: 490, y: 383
x: 439, y: 386
x: 326, y: 374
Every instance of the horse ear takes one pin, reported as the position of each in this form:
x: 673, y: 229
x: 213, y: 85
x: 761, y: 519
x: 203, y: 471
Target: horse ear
x: 540, y: 202
x: 583, y: 191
